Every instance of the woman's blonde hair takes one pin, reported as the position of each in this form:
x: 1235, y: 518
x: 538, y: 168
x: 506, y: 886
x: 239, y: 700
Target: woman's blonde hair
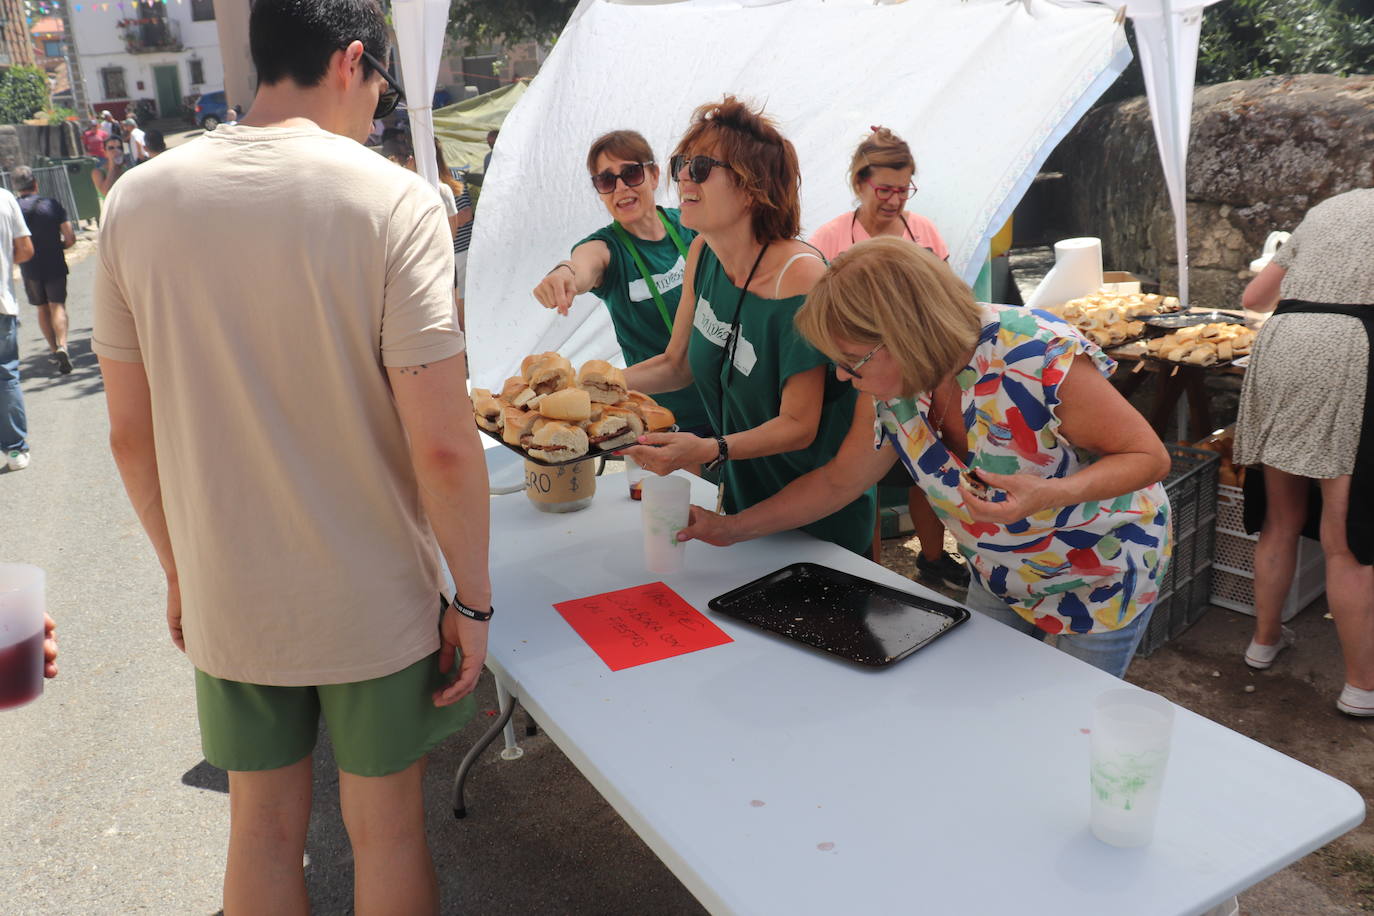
x: 893, y: 292
x: 881, y: 149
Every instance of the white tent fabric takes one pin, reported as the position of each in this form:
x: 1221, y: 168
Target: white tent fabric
x: 1167, y: 35
x: 981, y: 89
x: 420, y: 27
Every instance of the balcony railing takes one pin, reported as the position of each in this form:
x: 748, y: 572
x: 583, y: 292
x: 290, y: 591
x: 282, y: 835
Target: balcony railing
x: 149, y: 34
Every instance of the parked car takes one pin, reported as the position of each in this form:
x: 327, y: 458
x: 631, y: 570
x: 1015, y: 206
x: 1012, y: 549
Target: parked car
x: 211, y: 109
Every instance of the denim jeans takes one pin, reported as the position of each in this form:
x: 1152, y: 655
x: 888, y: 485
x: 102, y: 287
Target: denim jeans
x: 13, y: 426
x: 1110, y: 651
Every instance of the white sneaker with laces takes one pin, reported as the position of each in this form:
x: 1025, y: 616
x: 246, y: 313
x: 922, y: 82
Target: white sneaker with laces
x: 18, y: 460
x: 1356, y: 702
x: 1261, y: 657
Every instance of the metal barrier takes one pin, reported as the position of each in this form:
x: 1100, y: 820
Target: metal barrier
x: 52, y: 182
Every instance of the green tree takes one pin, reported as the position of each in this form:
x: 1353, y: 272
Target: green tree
x: 23, y: 93
x: 1245, y: 39
x: 511, y: 21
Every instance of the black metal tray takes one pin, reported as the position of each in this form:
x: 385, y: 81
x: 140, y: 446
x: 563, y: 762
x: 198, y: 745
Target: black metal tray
x: 1175, y: 320
x: 840, y: 613
x: 592, y: 452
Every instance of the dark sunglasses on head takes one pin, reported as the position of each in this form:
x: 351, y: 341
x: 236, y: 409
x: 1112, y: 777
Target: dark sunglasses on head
x: 632, y: 175
x: 698, y: 167
x: 391, y: 96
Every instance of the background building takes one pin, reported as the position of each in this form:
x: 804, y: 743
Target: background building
x: 150, y: 52
x: 15, y: 49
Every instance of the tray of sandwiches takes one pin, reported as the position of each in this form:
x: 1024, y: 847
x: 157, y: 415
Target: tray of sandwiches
x: 554, y: 416
x: 1217, y: 344
x: 1111, y: 319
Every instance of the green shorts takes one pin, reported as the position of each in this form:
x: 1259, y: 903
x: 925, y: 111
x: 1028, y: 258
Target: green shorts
x: 378, y: 727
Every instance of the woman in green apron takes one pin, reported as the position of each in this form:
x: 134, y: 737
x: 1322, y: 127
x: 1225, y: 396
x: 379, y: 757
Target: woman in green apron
x: 634, y: 265
x: 777, y: 410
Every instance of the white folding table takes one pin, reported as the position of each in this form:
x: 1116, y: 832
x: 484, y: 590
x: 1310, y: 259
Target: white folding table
x: 773, y: 778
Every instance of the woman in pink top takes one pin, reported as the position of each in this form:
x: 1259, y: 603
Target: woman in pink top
x: 880, y: 174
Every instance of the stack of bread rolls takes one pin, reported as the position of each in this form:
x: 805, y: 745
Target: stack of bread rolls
x: 556, y: 414
x: 1203, y: 344
x: 1109, y: 319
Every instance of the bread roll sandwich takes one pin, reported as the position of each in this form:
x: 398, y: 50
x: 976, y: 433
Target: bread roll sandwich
x: 604, y: 382
x: 632, y: 418
x: 533, y: 358
x: 656, y: 417
x: 557, y: 441
x: 516, y: 391
x: 550, y: 373
x: 571, y: 405
x: 485, y: 408
x: 611, y: 431
x: 514, y: 422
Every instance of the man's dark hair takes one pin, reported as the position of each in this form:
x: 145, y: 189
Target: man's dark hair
x: 22, y: 177
x: 294, y: 39
x: 153, y: 140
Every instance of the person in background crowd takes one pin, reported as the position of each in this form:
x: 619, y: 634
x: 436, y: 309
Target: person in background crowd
x: 45, y: 274
x: 880, y: 175
x: 491, y: 144
x: 109, y: 126
x: 15, y: 248
x: 775, y: 410
x: 114, y: 165
x: 138, y: 149
x: 232, y: 115
x: 154, y: 142
x: 303, y: 576
x: 93, y: 139
x: 635, y: 265
x: 460, y: 221
x: 49, y: 646
x: 1305, y: 415
x: 956, y: 389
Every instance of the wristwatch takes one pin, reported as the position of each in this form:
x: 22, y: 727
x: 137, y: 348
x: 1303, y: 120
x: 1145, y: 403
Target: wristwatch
x: 472, y: 613
x: 722, y: 454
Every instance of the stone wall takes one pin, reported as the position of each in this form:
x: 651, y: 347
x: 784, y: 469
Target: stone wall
x: 1262, y: 153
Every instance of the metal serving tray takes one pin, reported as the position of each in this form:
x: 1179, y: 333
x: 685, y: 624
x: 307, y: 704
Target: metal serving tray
x: 840, y: 613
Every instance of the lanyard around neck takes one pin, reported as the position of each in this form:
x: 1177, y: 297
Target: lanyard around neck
x: 628, y: 242
x: 726, y: 373
x: 906, y: 227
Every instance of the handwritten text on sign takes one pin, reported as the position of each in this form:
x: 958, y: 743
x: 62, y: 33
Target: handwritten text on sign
x: 642, y: 624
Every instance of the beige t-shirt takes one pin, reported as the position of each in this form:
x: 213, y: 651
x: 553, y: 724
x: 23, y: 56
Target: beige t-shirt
x: 265, y: 278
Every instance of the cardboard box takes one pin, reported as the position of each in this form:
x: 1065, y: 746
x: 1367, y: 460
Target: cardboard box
x: 1120, y: 281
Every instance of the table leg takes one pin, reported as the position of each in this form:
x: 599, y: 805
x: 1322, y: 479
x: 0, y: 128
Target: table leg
x: 512, y: 750
x: 1199, y: 411
x: 501, y: 724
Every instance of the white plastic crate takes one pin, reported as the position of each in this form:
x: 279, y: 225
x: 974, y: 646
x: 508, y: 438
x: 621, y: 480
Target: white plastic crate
x: 1233, y: 562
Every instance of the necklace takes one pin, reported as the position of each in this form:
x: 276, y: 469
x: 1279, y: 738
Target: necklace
x: 854, y: 220
x: 938, y: 421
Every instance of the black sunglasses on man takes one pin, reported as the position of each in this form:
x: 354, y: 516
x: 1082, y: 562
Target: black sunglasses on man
x: 391, y: 96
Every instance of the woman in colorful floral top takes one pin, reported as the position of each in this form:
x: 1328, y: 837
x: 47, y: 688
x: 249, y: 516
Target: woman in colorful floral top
x: 969, y: 396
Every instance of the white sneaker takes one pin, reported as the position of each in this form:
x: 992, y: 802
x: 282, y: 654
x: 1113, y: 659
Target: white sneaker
x: 18, y: 460
x: 1261, y: 657
x: 1356, y: 702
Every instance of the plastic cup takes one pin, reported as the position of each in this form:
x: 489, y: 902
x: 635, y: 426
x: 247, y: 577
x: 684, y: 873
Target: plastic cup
x: 1130, y: 748
x: 665, y: 508
x: 21, y: 634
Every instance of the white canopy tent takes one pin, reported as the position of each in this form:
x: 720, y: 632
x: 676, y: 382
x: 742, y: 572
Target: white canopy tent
x: 982, y: 90
x: 420, y: 28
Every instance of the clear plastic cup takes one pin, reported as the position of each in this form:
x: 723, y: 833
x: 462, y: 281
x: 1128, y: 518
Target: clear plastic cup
x: 21, y: 633
x: 665, y: 508
x: 1131, y: 735
x: 634, y: 476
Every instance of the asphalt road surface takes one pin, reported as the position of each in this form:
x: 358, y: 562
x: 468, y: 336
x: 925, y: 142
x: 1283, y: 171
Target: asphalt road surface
x: 106, y: 804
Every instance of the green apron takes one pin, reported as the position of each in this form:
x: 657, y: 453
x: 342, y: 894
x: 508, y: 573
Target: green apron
x: 769, y: 351
x: 639, y: 323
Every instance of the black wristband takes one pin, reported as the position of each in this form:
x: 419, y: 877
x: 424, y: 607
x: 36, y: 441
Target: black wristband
x: 722, y: 454
x: 471, y: 613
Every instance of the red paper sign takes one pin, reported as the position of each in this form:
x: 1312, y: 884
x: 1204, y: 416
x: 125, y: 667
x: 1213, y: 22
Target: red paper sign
x: 641, y: 624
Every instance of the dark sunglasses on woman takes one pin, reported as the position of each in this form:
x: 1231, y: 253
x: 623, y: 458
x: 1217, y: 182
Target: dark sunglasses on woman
x: 391, y: 96
x: 698, y: 167
x: 632, y: 175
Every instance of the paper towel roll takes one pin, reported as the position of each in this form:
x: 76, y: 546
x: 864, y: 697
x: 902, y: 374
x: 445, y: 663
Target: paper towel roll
x: 1077, y: 272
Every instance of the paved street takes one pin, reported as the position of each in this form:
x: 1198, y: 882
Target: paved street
x: 106, y: 805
